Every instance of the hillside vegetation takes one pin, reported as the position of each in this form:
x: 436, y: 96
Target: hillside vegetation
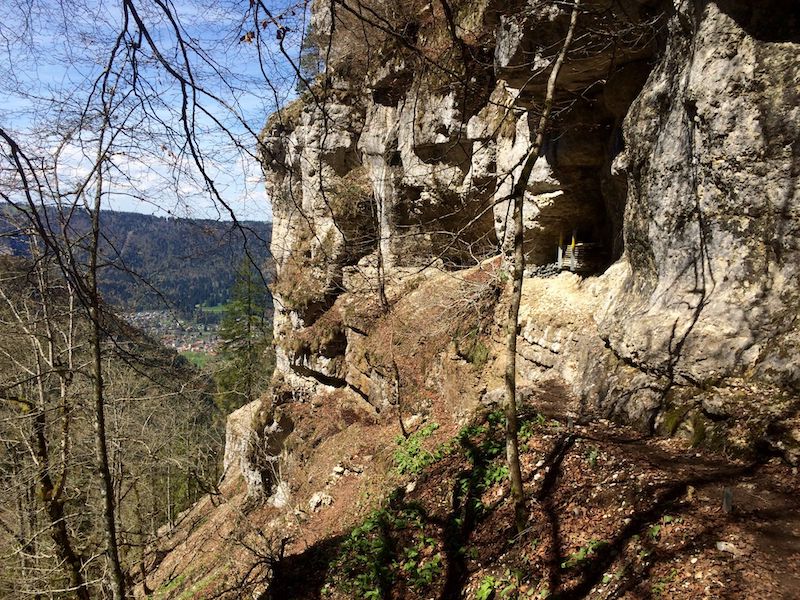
x: 164, y: 435
x: 159, y: 262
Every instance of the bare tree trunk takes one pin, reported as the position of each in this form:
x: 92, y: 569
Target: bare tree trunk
x: 385, y: 308
x: 512, y: 441
x: 54, y: 506
x: 98, y: 392
x: 60, y: 535
x: 48, y: 488
x: 26, y: 526
x: 517, y: 256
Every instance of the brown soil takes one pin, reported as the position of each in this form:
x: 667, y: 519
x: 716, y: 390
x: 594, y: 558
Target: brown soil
x: 612, y: 515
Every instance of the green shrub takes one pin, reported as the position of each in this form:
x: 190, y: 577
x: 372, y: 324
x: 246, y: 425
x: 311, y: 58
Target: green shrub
x: 494, y: 474
x: 364, y: 558
x: 584, y: 553
x: 486, y: 588
x: 410, y: 458
x: 390, y: 545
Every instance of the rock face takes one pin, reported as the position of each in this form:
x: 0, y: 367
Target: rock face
x: 712, y: 216
x: 253, y: 447
x: 673, y: 152
x: 239, y: 436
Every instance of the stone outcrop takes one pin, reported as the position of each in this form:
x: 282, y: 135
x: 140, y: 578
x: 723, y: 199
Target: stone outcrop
x: 254, y: 443
x: 713, y: 211
x: 673, y: 152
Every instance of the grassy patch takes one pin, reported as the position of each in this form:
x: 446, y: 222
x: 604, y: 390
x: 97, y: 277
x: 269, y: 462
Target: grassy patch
x: 217, y: 309
x: 198, y: 359
x: 471, y: 348
x: 203, y: 585
x: 165, y: 590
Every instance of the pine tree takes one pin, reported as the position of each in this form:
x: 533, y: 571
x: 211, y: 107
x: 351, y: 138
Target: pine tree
x: 309, y: 62
x: 246, y: 350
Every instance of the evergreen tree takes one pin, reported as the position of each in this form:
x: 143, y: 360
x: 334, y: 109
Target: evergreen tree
x: 246, y: 350
x: 310, y: 61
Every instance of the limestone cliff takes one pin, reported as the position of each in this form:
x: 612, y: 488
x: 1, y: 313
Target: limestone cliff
x: 672, y: 160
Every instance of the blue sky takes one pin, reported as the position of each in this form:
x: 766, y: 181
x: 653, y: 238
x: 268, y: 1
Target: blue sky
x: 52, y: 52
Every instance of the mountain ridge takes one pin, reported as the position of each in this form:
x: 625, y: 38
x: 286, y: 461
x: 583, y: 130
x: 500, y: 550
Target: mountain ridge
x: 157, y: 262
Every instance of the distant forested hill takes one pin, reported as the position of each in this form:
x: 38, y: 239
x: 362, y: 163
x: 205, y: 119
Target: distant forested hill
x: 152, y: 259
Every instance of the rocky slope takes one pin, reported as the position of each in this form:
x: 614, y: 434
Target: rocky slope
x: 671, y: 163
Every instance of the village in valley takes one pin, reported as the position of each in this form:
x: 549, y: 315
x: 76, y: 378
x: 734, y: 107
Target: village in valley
x: 197, y: 335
